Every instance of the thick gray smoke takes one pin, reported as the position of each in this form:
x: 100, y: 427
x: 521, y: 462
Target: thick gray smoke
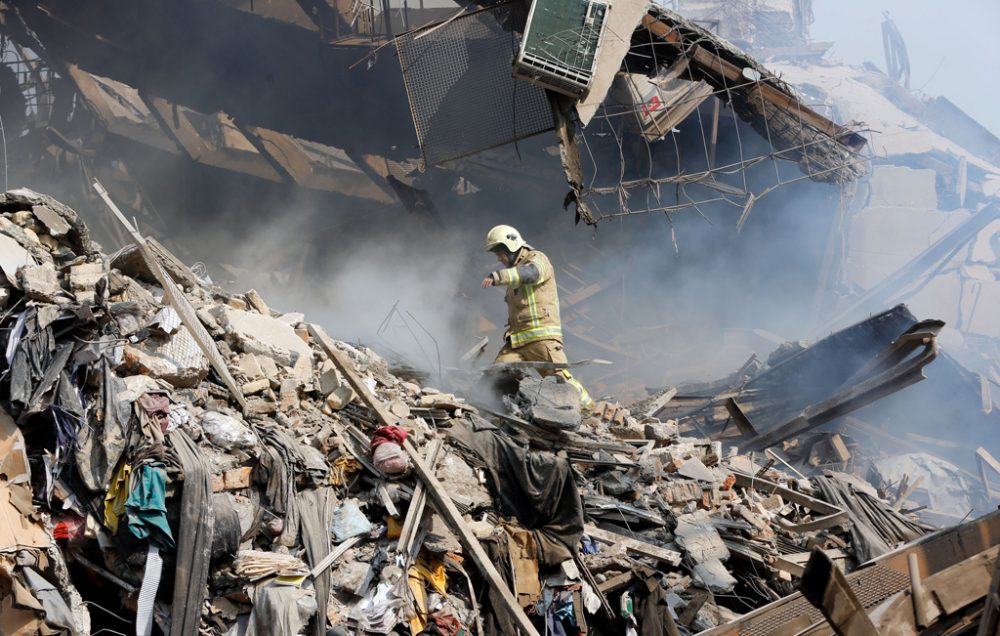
x: 696, y: 311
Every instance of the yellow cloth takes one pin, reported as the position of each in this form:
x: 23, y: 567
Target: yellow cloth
x: 114, y: 501
x: 426, y: 570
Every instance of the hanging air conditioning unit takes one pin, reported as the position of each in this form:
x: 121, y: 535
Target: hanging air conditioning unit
x: 560, y: 44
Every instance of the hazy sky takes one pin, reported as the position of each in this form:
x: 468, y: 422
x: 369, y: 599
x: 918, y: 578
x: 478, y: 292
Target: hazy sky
x: 953, y: 46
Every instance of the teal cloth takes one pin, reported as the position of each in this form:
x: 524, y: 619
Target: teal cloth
x: 146, y: 506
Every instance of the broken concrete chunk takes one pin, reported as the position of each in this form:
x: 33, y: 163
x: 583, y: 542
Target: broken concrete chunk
x: 211, y: 324
x: 264, y: 336
x: 39, y: 282
x: 52, y: 220
x: 348, y: 575
x: 267, y: 367
x: 328, y: 382
x: 898, y: 186
x: 288, y: 395
x: 660, y: 431
x: 551, y: 402
x: 341, y: 397
x: 693, y: 468
x: 250, y: 367
x: 699, y: 538
x: 13, y: 257
x: 85, y: 277
x: 257, y: 302
x: 292, y: 318
x: 255, y: 386
x: 178, y: 360
x: 713, y: 575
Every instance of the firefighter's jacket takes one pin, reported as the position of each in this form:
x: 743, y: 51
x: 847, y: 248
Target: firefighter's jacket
x: 532, y: 299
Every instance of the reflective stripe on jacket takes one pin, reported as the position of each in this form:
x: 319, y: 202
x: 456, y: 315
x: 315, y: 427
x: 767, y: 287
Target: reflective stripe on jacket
x: 532, y: 308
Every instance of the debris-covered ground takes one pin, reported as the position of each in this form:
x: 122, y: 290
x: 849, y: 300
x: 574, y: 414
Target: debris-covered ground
x: 177, y: 457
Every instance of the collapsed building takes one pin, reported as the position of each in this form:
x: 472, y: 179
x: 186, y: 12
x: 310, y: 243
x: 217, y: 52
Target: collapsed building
x: 183, y: 458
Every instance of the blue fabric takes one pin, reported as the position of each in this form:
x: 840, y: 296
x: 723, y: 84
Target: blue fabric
x: 146, y: 506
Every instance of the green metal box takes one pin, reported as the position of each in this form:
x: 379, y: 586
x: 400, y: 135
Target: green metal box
x: 560, y: 45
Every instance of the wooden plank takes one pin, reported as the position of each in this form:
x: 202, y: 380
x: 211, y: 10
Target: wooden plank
x: 795, y: 564
x: 832, y: 514
x: 581, y: 295
x: 340, y: 359
x: 698, y: 600
x: 175, y: 296
x: 903, y: 496
x: 965, y: 586
x: 592, y: 582
x: 632, y: 545
x: 337, y: 552
x: 469, y: 541
x: 417, y: 504
x: 839, y: 447
x: 917, y: 592
x: 740, y: 418
x: 442, y: 501
x: 616, y: 582
x: 989, y: 622
x: 660, y: 402
x: 943, y: 443
x: 825, y: 586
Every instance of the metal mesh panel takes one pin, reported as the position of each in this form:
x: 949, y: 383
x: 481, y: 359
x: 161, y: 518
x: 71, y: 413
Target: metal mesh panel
x: 872, y: 585
x: 462, y: 94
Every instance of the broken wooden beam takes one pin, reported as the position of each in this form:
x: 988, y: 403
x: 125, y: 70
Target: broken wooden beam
x: 634, y: 546
x: 917, y: 592
x: 657, y: 405
x: 442, y: 501
x: 826, y: 587
x: 726, y: 73
x: 337, y: 552
x: 906, y: 492
x: 417, y: 504
x: 345, y: 367
x: 469, y: 541
x: 832, y: 515
x: 175, y: 296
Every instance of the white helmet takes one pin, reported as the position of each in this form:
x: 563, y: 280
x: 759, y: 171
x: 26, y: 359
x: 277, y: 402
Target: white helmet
x: 504, y: 235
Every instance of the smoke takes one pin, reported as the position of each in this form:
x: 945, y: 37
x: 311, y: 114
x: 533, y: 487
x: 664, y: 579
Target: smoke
x: 408, y: 284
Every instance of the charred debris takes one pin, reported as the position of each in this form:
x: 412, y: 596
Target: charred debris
x: 179, y: 458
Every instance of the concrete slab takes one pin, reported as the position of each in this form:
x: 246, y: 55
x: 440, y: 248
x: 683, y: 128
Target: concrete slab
x: 263, y: 336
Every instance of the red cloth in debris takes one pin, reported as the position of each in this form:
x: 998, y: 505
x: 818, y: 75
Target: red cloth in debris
x: 385, y: 434
x: 446, y: 623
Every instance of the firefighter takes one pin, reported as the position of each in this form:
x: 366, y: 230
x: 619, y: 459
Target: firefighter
x: 534, y: 331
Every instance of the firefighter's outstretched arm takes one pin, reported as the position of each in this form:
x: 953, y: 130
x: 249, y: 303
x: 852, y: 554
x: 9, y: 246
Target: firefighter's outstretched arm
x: 529, y: 273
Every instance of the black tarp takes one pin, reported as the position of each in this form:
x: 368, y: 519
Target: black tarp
x: 536, y: 487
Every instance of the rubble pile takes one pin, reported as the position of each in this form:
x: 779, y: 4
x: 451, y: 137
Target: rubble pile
x: 215, y: 466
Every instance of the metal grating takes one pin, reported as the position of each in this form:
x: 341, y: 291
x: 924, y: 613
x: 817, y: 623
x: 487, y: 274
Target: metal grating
x: 459, y: 82
x: 872, y: 585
